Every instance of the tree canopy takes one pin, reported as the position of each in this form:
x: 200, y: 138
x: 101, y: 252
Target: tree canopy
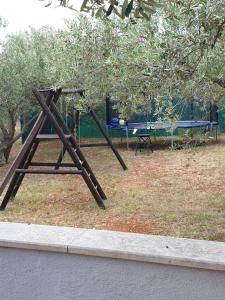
x: 180, y: 52
x: 121, y: 8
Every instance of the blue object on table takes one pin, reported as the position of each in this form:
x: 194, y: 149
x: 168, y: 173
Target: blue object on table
x: 115, y: 123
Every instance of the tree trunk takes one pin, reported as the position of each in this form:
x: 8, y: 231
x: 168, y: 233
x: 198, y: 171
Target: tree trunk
x: 5, y: 149
x: 7, y: 137
x: 2, y: 157
x: 7, y: 153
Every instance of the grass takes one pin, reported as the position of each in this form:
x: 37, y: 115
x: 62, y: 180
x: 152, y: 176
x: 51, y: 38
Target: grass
x: 179, y: 193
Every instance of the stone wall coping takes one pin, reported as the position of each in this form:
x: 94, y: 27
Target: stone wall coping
x: 111, y: 244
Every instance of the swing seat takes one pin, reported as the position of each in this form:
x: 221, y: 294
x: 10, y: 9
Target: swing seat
x: 51, y: 136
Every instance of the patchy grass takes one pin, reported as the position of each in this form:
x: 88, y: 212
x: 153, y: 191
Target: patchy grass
x: 178, y: 193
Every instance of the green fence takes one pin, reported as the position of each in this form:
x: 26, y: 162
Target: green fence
x: 88, y: 126
x: 89, y: 129
x: 222, y: 121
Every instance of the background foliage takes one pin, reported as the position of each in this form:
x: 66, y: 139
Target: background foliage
x: 178, y: 52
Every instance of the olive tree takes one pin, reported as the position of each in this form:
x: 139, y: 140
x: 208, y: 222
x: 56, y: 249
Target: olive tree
x: 192, y: 34
x: 179, y: 53
x: 22, y: 66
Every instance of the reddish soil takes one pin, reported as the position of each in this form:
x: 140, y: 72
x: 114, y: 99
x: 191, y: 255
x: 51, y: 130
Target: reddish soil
x: 131, y: 224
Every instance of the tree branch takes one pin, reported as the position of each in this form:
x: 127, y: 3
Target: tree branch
x: 220, y: 82
x: 218, y: 33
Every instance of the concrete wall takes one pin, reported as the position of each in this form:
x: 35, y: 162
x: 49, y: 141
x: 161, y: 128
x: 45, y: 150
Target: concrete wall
x: 47, y: 262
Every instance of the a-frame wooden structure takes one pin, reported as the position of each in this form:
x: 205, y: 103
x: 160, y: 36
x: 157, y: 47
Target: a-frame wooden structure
x: 47, y: 99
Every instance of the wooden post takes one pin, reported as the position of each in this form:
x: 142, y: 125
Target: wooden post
x: 94, y: 116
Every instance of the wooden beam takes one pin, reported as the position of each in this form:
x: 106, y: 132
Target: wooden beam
x: 56, y: 172
x: 94, y: 145
x: 52, y: 164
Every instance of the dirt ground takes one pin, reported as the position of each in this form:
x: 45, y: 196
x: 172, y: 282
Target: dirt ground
x: 168, y: 192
